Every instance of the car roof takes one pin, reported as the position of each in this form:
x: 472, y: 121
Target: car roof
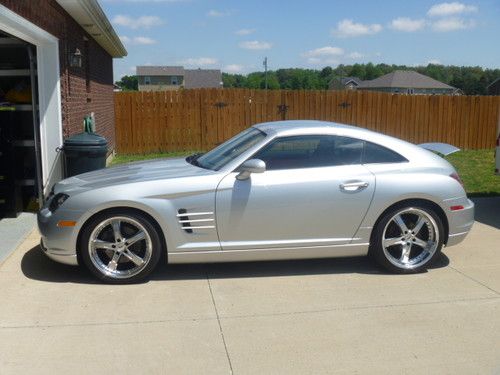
x: 283, y: 126
x: 304, y: 127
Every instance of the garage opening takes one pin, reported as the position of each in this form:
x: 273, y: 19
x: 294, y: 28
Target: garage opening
x: 21, y: 183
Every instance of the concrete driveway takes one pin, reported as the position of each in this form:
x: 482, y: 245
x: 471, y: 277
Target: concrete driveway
x: 300, y: 317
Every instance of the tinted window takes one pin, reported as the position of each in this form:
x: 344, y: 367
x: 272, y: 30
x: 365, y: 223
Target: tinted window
x: 379, y: 154
x: 310, y: 151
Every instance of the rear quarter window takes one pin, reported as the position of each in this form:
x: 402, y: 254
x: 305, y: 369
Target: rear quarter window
x: 374, y: 153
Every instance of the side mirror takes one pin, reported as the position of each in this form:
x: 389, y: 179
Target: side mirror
x: 249, y: 167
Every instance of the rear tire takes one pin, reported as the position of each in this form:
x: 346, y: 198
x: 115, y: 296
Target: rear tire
x: 120, y: 247
x: 407, y: 239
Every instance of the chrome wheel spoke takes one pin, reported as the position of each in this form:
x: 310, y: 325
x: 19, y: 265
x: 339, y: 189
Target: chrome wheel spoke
x: 398, y: 219
x: 136, y: 259
x: 100, y: 244
x: 420, y: 223
x: 137, y: 237
x: 392, y: 241
x: 405, y: 254
x: 423, y: 244
x: 115, y: 224
x: 113, y: 263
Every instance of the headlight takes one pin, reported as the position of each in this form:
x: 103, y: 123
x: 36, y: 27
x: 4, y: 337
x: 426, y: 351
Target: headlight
x: 57, y: 201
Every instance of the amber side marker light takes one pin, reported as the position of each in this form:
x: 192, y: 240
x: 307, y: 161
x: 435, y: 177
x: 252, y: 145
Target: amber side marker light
x: 66, y: 223
x: 456, y: 208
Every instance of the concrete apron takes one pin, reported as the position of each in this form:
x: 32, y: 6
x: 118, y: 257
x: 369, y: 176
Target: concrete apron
x: 13, y: 231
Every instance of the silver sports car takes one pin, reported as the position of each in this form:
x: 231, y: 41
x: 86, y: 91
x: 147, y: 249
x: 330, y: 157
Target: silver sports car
x: 278, y: 190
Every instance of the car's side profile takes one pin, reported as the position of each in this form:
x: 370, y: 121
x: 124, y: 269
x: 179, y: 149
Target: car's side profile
x: 280, y: 190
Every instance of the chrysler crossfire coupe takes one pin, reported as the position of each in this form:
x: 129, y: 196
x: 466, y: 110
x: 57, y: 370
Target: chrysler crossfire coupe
x: 278, y: 190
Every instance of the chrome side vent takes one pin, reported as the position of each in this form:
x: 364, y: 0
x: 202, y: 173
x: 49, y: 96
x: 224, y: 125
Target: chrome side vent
x: 195, y: 220
x: 181, y: 214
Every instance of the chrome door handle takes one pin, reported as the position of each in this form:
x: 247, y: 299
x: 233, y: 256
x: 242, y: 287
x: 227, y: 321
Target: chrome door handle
x: 353, y: 186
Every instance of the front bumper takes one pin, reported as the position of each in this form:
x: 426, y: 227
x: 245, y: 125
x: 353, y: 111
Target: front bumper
x: 59, y: 243
x: 59, y: 256
x: 460, y: 223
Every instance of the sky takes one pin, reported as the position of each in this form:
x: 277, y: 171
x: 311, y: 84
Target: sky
x: 236, y: 36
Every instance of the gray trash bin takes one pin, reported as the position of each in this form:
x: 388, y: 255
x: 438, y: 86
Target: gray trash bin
x: 85, y: 152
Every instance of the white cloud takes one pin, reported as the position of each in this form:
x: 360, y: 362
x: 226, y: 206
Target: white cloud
x: 452, y: 24
x: 143, y: 40
x: 137, y: 40
x: 137, y: 22
x: 255, y: 45
x: 407, y: 24
x: 217, y: 13
x: 245, y: 31
x: 324, y: 51
x: 233, y: 68
x: 450, y: 9
x: 199, y: 61
x: 355, y: 55
x: 329, y: 55
x: 347, y: 28
x: 314, y: 60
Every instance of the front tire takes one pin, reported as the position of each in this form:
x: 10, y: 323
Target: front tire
x: 407, y: 239
x: 120, y: 247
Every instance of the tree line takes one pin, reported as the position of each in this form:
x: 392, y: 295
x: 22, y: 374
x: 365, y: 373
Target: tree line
x: 472, y: 80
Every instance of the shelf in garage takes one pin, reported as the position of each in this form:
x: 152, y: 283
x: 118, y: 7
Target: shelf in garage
x: 24, y: 143
x: 14, y: 73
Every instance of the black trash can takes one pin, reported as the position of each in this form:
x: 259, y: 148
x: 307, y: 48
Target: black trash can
x: 85, y: 152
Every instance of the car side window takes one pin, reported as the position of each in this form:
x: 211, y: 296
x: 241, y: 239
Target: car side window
x: 310, y: 152
x: 378, y: 154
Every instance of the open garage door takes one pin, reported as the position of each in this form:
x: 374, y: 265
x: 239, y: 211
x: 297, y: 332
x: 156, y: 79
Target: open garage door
x: 21, y: 184
x: 31, y: 112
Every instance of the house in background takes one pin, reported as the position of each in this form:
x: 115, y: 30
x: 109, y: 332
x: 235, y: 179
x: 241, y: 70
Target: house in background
x: 56, y: 66
x: 494, y: 87
x: 158, y: 78
x: 397, y: 82
x: 345, y: 83
x: 408, y: 82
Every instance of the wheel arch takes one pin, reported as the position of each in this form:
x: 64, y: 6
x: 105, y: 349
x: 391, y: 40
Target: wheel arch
x: 416, y: 201
x: 122, y: 209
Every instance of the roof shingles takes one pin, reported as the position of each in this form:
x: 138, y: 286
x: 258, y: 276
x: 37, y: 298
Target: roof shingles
x: 160, y: 70
x: 405, y: 79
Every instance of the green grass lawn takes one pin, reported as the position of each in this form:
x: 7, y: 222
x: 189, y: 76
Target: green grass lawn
x: 476, y: 168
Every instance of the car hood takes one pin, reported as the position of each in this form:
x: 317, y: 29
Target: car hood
x: 159, y: 169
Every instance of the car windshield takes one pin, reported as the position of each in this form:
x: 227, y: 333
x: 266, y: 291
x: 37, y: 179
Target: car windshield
x: 234, y: 147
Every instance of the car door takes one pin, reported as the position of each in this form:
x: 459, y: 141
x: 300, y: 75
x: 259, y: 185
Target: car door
x: 314, y: 192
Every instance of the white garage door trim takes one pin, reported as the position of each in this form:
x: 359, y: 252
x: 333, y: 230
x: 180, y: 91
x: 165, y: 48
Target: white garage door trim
x: 49, y: 90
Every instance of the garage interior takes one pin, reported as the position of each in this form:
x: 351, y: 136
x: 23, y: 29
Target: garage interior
x: 20, y: 161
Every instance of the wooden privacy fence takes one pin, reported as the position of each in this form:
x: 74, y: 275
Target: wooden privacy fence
x: 202, y: 118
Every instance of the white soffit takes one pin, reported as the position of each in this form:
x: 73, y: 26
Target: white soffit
x: 89, y: 15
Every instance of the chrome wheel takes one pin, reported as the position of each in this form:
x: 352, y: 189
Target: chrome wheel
x: 120, y: 247
x: 410, y: 238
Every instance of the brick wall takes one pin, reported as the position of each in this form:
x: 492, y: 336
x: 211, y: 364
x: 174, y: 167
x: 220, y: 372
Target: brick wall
x: 83, y: 90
